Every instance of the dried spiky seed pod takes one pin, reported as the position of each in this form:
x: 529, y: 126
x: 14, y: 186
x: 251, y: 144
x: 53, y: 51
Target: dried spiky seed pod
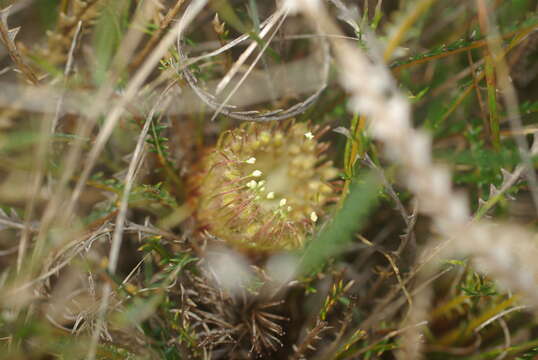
x: 264, y: 186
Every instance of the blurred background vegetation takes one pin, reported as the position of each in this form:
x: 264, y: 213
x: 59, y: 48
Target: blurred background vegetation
x: 67, y: 293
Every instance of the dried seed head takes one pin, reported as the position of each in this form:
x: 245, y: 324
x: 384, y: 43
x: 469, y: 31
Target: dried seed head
x: 264, y: 185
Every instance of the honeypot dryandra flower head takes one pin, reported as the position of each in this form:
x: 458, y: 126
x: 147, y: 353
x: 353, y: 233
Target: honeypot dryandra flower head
x: 264, y: 186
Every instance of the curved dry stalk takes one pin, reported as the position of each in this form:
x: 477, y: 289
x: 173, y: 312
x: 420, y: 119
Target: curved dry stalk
x: 499, y: 316
x: 220, y: 87
x: 276, y: 20
x: 507, y: 339
x: 231, y: 110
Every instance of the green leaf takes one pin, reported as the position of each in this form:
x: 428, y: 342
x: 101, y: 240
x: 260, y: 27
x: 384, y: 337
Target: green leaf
x: 108, y: 34
x: 361, y: 200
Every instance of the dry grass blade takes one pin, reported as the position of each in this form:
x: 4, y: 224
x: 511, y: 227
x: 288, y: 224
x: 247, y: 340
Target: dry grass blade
x: 43, y: 151
x: 130, y: 91
x: 117, y: 235
x: 248, y: 51
x: 279, y: 19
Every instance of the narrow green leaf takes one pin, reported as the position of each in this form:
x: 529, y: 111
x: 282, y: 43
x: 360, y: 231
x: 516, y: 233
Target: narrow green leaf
x: 361, y: 200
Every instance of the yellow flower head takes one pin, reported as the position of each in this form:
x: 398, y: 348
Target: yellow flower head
x: 264, y: 185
